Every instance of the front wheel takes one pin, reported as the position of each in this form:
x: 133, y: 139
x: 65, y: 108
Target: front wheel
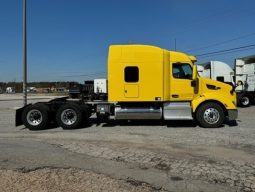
x: 244, y: 101
x: 210, y: 115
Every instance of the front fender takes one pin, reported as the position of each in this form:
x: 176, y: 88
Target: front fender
x: 225, y: 101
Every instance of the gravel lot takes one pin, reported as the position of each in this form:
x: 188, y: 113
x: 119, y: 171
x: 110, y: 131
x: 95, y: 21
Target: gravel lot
x: 64, y: 180
x: 127, y: 156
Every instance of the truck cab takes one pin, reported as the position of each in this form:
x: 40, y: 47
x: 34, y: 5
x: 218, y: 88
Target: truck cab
x: 145, y: 80
x: 245, y: 80
x: 217, y: 70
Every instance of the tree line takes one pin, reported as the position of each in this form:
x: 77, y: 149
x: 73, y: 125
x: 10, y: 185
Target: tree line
x: 18, y: 86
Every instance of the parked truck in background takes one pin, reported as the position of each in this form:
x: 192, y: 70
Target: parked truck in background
x: 217, y: 70
x: 144, y: 82
x: 245, y: 79
x: 242, y: 76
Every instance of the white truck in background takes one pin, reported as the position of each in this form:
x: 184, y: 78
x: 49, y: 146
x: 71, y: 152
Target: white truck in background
x: 217, y: 70
x: 242, y: 76
x: 245, y: 80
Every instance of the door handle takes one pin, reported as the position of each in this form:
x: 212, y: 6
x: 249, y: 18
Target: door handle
x: 175, y: 96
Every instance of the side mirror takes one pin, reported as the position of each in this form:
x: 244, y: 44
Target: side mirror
x: 193, y: 83
x: 194, y: 73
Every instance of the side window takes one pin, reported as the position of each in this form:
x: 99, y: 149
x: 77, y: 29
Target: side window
x: 131, y: 74
x: 182, y: 71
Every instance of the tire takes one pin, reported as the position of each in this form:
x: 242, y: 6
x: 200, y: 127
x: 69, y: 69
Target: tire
x: 36, y: 117
x: 69, y: 116
x: 210, y: 115
x: 244, y: 100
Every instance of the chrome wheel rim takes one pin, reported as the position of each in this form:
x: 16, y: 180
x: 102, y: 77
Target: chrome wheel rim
x: 211, y: 115
x: 245, y: 100
x: 34, y: 117
x: 68, y: 116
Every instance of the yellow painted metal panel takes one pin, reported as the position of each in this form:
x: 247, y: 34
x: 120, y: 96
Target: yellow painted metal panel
x: 222, y: 94
x: 166, y: 72
x: 149, y: 61
x: 181, y: 90
x: 131, y: 91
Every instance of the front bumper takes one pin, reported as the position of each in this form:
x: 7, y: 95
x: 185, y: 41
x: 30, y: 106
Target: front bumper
x: 232, y: 114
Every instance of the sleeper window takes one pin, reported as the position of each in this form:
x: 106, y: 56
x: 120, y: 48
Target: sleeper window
x: 131, y: 74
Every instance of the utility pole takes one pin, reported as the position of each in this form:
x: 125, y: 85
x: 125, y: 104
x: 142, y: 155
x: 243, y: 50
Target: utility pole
x: 24, y: 52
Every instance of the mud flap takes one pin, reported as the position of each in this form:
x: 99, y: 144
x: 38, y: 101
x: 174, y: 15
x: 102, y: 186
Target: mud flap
x: 18, y: 116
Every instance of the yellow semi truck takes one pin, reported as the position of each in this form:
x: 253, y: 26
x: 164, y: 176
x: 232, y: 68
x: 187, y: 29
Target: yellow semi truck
x: 144, y: 82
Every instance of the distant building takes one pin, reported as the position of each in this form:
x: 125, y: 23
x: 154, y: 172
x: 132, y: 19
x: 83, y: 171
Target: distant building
x: 10, y: 90
x: 43, y: 90
x: 31, y: 90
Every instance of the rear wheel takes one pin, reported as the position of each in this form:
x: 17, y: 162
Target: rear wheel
x: 210, y: 115
x: 69, y: 116
x: 36, y: 117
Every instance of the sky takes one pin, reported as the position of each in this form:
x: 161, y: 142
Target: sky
x: 68, y: 40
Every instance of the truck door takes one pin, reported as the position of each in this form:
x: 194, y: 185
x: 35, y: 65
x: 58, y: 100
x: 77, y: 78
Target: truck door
x: 131, y: 76
x: 180, y: 82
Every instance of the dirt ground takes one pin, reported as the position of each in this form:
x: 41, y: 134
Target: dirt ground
x: 65, y: 180
x: 127, y: 156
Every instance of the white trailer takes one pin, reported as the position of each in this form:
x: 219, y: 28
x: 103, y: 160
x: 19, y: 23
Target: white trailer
x: 245, y: 80
x: 217, y: 70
